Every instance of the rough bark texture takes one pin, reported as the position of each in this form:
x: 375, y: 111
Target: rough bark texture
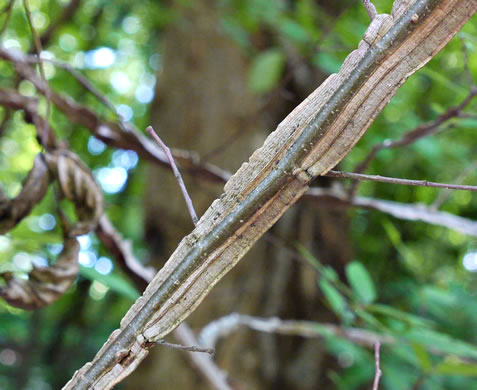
x: 309, y: 142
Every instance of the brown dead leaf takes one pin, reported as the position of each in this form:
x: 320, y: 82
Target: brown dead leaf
x: 44, y: 284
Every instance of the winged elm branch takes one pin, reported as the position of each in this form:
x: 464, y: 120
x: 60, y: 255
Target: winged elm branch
x: 309, y: 142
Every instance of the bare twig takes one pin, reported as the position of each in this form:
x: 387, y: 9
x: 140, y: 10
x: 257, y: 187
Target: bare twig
x: 210, y: 351
x: 39, y: 49
x: 467, y: 71
x: 203, y: 362
x: 404, y: 182
x: 177, y: 174
x: 410, y: 212
x: 444, y: 195
x: 378, y: 369
x: 370, y: 9
x: 224, y: 326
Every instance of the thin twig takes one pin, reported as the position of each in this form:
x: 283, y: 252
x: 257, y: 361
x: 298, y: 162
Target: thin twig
x: 39, y: 49
x: 416, y: 134
x: 324, y: 197
x: 205, y: 364
x: 6, y: 118
x: 7, y: 10
x: 467, y: 71
x: 85, y: 83
x: 444, y: 195
x: 404, y: 182
x: 224, y: 326
x: 378, y: 369
x: 192, y: 348
x: 370, y: 9
x: 177, y: 174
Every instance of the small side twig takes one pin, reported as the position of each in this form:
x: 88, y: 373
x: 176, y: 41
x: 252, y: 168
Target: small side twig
x: 324, y: 197
x: 465, y: 53
x: 177, y: 174
x: 404, y: 182
x: 444, y: 195
x: 378, y: 369
x: 419, y: 132
x: 191, y: 348
x: 370, y: 9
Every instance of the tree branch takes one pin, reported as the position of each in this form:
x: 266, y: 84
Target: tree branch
x: 410, y: 212
x: 224, y: 326
x: 309, y: 142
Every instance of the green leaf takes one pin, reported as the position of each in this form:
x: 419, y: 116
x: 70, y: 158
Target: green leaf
x: 441, y: 342
x: 423, y: 356
x: 398, y: 315
x: 113, y: 281
x: 361, y: 282
x: 368, y: 318
x: 327, y: 62
x: 314, y: 262
x: 456, y: 368
x: 334, y: 298
x: 294, y: 31
x: 330, y: 274
x: 266, y: 70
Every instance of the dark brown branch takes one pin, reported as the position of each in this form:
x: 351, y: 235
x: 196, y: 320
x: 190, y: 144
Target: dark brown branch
x: 419, y: 132
x: 12, y: 99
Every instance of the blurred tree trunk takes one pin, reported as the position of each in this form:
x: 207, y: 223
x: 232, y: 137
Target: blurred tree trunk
x: 202, y: 99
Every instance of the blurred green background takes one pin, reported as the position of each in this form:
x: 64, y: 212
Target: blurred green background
x: 412, y: 280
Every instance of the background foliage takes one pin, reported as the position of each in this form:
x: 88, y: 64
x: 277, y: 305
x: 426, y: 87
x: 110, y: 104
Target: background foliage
x: 408, y: 279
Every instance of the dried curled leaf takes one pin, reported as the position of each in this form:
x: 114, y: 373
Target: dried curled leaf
x: 12, y: 211
x: 45, y: 284
x: 77, y: 185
